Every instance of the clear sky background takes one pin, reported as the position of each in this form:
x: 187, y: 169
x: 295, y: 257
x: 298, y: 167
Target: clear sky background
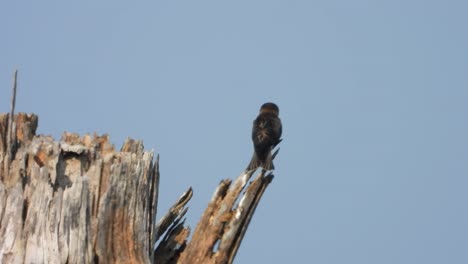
x: 373, y: 96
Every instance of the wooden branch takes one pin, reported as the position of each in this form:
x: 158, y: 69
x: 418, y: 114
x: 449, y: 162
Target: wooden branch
x: 236, y: 232
x: 223, y: 223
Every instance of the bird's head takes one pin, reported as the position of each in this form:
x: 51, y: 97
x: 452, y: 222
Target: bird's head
x: 269, y: 108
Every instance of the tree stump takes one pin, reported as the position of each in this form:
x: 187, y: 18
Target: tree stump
x: 78, y: 200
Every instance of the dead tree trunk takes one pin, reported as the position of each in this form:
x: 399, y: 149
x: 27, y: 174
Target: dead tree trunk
x: 78, y: 200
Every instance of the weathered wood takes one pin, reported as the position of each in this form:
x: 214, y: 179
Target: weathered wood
x: 239, y: 223
x: 224, y: 222
x: 11, y: 124
x: 78, y: 200
x: 174, y: 242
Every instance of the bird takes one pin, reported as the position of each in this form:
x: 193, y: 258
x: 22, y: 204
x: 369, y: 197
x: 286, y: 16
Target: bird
x: 266, y: 134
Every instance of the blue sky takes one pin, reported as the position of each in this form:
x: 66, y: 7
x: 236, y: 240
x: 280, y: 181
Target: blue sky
x: 373, y: 97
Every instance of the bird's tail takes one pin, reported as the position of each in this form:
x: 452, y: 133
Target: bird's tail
x: 268, y: 164
x: 255, y: 162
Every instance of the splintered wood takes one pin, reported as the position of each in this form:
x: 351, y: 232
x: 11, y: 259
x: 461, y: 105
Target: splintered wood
x: 222, y: 226
x: 78, y: 200
x: 74, y: 201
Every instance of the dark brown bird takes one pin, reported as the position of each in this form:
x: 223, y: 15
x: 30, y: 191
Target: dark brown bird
x: 266, y: 134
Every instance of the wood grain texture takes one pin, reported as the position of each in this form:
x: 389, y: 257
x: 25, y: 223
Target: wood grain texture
x: 79, y: 200
x: 222, y: 226
x: 76, y: 200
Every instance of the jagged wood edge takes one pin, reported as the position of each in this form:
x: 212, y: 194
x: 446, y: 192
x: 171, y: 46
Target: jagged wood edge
x: 170, y: 225
x: 11, y: 136
x: 248, y: 204
x: 154, y: 205
x: 223, y: 223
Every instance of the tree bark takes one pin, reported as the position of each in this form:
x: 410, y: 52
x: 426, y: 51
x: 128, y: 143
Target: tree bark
x: 78, y: 200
